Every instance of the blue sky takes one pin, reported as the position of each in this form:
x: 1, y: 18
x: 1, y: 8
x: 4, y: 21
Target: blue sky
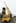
x: 11, y: 4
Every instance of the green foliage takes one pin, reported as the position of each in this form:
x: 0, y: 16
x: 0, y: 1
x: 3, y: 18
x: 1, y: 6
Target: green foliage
x: 1, y: 15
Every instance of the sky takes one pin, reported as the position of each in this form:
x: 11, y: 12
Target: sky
x: 11, y: 5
